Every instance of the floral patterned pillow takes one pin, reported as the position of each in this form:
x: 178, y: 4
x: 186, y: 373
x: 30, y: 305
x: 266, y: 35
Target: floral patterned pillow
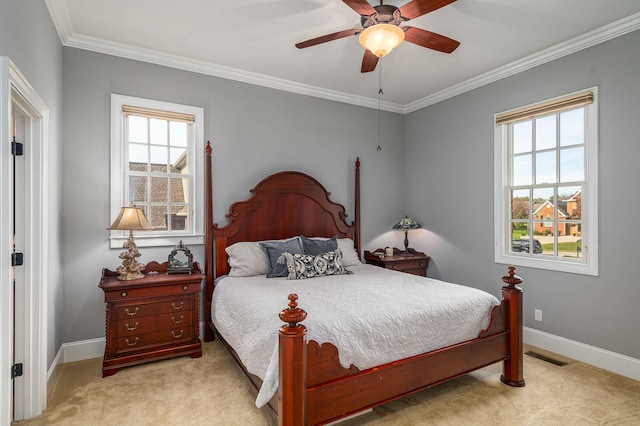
x: 302, y: 266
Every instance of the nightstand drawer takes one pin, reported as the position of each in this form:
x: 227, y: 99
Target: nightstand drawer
x: 149, y: 292
x: 407, y: 265
x: 154, y: 308
x: 133, y: 326
x: 145, y: 341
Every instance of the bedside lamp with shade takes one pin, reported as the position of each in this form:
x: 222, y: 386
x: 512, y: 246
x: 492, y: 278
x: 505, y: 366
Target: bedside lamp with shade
x: 130, y: 219
x: 405, y: 224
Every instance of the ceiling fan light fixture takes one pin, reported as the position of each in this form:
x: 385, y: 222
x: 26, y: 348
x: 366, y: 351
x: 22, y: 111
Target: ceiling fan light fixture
x: 381, y: 39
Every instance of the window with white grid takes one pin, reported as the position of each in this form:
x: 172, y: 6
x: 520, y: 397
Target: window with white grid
x: 546, y: 185
x: 154, y: 166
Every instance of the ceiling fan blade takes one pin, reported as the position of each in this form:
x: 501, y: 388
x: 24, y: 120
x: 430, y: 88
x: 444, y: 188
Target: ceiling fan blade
x: 326, y: 38
x: 369, y: 61
x: 360, y: 6
x: 430, y: 40
x: 416, y: 8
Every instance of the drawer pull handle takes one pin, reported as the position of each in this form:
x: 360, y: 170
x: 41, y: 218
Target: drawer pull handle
x: 131, y: 314
x: 124, y: 294
x: 131, y: 328
x: 131, y: 344
x: 175, y: 321
x: 185, y: 287
x: 177, y: 336
x: 394, y: 267
x: 177, y: 308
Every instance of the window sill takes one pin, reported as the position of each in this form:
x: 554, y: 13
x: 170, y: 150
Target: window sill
x: 158, y: 240
x: 548, y: 264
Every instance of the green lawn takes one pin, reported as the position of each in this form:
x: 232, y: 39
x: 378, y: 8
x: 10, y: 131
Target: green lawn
x: 570, y: 246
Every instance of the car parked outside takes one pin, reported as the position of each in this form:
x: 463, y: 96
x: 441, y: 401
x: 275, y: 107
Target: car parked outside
x: 523, y: 246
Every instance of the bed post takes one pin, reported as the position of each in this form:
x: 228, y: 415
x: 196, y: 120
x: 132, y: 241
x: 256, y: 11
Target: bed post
x: 208, y: 245
x: 512, y: 371
x: 292, y: 367
x: 357, y: 209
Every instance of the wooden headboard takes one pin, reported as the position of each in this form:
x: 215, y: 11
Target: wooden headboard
x: 282, y: 205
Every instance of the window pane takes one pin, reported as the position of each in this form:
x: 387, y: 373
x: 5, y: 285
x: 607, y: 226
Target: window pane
x: 178, y: 132
x: 137, y: 189
x: 159, y: 189
x: 159, y: 157
x: 137, y: 129
x: 522, y: 170
x: 179, y: 190
x: 158, y: 130
x: 159, y: 217
x: 571, y: 200
x: 546, y: 132
x: 546, y: 167
x: 179, y: 218
x: 520, y: 204
x: 138, y: 157
x: 522, y: 137
x: 547, y: 244
x: 572, y: 127
x: 519, y: 237
x: 178, y: 159
x: 542, y: 202
x: 572, y: 164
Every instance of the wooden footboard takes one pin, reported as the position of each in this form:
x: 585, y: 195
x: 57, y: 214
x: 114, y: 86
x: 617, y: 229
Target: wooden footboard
x: 315, y: 389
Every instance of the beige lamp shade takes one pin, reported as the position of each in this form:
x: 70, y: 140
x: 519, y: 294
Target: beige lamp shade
x: 131, y: 219
x: 381, y: 39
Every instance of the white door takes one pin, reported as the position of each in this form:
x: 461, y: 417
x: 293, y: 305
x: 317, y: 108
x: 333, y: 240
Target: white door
x: 23, y: 229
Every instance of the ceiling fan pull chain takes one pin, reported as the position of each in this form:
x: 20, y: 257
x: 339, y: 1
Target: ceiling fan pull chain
x: 380, y: 93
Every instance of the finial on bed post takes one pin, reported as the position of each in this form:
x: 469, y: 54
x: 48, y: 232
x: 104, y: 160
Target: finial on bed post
x: 207, y: 150
x: 512, y: 369
x: 292, y: 366
x: 293, y: 315
x: 512, y: 279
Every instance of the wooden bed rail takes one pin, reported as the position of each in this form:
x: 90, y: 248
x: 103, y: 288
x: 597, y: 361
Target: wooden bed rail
x: 302, y: 401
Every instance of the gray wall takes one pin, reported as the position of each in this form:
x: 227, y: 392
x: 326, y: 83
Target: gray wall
x: 254, y: 131
x: 449, y: 176
x: 29, y: 39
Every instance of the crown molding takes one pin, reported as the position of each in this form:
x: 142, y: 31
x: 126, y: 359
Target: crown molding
x: 62, y: 21
x: 597, y: 36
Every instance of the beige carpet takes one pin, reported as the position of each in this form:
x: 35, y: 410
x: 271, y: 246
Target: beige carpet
x: 211, y: 391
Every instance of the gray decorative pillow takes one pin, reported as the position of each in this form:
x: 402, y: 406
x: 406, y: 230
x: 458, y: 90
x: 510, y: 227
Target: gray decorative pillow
x: 274, y: 253
x: 302, y: 266
x: 314, y: 247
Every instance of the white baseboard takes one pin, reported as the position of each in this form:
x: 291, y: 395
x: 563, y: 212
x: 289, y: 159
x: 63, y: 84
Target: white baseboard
x: 601, y: 358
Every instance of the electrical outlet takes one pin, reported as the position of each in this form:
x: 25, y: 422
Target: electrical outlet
x: 537, y: 314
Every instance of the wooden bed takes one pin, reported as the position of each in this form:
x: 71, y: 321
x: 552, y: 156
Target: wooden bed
x: 313, y: 387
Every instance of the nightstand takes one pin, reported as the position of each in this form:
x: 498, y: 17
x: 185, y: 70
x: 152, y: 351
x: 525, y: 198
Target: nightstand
x: 415, y: 264
x: 152, y: 318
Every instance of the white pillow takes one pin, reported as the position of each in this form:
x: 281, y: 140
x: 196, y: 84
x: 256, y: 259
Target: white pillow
x: 247, y: 259
x: 349, y: 255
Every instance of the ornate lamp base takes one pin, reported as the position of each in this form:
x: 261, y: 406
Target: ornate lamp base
x: 130, y: 269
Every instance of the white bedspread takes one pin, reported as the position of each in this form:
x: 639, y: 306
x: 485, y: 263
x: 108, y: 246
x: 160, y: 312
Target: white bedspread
x: 373, y: 317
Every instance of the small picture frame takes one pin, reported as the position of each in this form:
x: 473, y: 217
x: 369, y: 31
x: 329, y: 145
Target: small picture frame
x: 180, y: 260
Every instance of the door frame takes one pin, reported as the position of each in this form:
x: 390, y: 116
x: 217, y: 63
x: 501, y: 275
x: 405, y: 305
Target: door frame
x: 31, y: 392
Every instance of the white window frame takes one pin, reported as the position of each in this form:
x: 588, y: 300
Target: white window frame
x: 119, y: 161
x: 590, y: 247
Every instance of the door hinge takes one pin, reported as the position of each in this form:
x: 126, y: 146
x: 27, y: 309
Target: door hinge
x: 17, y: 148
x: 17, y: 259
x: 16, y: 370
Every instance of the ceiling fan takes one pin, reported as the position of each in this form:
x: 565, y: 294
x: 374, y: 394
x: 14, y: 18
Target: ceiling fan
x: 389, y: 18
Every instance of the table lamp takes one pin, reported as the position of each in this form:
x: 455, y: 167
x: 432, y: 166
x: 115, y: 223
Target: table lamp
x: 405, y: 224
x: 130, y: 219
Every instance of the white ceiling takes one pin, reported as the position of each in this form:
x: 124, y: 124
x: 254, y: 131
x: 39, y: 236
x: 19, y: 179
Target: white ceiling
x: 253, y: 41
